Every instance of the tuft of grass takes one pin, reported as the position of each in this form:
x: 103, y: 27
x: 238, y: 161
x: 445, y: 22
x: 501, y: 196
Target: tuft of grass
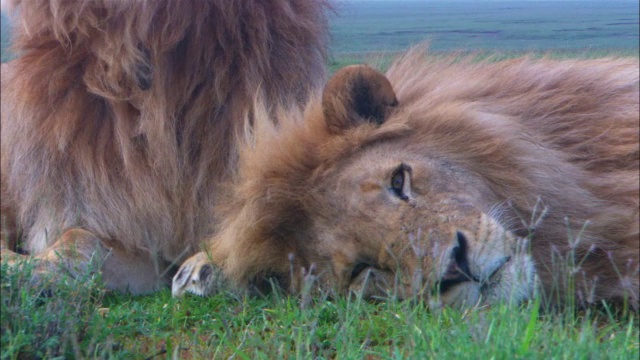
x: 61, y: 321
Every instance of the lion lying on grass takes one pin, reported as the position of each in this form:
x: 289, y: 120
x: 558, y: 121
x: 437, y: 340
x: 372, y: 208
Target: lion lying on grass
x: 133, y: 130
x: 453, y: 181
x: 121, y: 117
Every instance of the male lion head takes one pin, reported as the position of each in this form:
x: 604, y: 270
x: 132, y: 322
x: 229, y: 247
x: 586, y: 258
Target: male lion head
x: 405, y: 225
x: 444, y: 180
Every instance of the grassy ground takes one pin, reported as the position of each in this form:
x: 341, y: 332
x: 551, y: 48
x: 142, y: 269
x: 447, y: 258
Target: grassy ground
x: 79, y: 320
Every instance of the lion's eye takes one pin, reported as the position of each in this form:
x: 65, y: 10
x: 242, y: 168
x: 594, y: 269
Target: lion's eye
x: 399, y: 181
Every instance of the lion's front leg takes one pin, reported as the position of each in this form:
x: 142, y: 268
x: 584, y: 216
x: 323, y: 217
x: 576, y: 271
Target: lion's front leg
x: 198, y: 275
x: 79, y: 252
x: 76, y: 253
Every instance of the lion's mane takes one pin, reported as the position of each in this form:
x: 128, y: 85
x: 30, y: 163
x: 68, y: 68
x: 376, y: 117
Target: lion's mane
x: 121, y: 117
x: 554, y: 142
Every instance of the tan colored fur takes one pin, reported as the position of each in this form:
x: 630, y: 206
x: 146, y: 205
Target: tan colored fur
x: 543, y: 152
x: 121, y: 117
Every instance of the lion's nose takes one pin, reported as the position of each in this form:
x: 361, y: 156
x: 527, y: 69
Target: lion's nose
x: 459, y: 253
x: 458, y: 268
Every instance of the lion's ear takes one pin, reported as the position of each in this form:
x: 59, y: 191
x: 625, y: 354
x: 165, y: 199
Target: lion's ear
x: 356, y: 94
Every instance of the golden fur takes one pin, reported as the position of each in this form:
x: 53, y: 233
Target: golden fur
x: 485, y: 176
x: 120, y: 118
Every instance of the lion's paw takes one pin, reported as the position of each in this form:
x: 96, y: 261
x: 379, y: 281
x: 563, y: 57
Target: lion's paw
x: 197, y: 275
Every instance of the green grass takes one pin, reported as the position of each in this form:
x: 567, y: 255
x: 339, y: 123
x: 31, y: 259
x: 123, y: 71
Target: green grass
x: 79, y: 320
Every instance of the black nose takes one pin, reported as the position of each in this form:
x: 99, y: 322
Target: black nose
x: 459, y: 254
x: 458, y: 268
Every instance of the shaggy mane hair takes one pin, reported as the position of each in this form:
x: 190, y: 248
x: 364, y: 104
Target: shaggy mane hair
x: 557, y: 135
x: 121, y: 117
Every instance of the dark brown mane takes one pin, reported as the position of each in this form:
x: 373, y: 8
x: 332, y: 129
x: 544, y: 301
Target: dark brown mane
x: 121, y: 117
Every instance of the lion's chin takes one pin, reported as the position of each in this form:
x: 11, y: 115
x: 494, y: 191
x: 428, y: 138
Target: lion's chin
x: 512, y: 284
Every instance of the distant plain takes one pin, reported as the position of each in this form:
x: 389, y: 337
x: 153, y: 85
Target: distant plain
x: 365, y: 26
